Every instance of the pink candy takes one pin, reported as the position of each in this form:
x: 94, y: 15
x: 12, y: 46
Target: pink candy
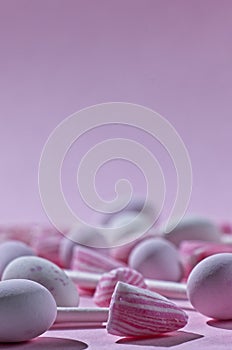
x: 46, y: 243
x: 194, y: 251
x: 85, y: 259
x: 122, y: 252
x: 109, y: 280
x: 140, y: 312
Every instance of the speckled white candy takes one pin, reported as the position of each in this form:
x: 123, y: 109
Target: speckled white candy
x: 209, y: 286
x: 46, y: 273
x: 11, y: 250
x: 27, y: 309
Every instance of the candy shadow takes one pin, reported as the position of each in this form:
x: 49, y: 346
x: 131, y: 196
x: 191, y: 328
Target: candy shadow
x: 73, y: 325
x: 47, y: 343
x: 220, y: 324
x: 166, y: 340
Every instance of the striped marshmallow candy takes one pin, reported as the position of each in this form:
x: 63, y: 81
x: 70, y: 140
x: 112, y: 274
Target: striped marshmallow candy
x: 85, y: 259
x: 108, y: 281
x: 139, y: 312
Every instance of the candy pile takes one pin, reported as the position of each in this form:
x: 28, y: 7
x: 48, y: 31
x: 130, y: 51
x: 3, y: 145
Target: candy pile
x: 44, y: 274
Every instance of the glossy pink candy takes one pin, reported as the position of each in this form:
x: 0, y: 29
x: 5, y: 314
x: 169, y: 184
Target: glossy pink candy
x: 139, y: 312
x: 85, y: 259
x: 108, y: 281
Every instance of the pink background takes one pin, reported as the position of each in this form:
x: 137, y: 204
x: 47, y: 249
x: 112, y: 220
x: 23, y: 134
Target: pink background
x: 60, y: 56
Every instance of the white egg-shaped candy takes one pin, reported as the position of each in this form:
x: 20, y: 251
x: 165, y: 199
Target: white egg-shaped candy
x: 27, y: 309
x: 46, y: 273
x: 11, y: 250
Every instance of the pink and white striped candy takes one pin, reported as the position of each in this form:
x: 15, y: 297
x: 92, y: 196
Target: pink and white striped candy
x: 85, y: 259
x: 46, y: 243
x: 108, y: 281
x: 193, y: 252
x: 139, y: 312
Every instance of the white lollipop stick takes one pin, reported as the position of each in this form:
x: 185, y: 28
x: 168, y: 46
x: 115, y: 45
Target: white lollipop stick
x: 82, y: 315
x: 165, y: 288
x: 168, y: 289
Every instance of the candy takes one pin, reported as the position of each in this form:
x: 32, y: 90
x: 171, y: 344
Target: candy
x: 128, y: 227
x: 226, y: 228
x: 139, y: 312
x: 46, y: 273
x: 19, y: 232
x: 194, y: 228
x: 27, y: 309
x: 85, y: 259
x: 166, y: 288
x: 136, y: 205
x: 46, y: 243
x: 158, y: 259
x: 209, y: 286
x: 128, y: 236
x: 11, y: 250
x: 80, y: 235
x: 109, y: 280
x: 122, y: 252
x: 193, y: 252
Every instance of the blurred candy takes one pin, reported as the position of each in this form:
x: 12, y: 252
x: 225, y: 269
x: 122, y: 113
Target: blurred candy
x: 139, y: 312
x: 193, y: 252
x: 46, y: 243
x: 194, y: 228
x: 128, y: 228
x: 135, y: 206
x: 226, y: 228
x: 158, y: 259
x: 88, y: 260
x: 122, y: 252
x: 84, y: 236
x: 19, y: 232
x: 11, y: 250
x: 109, y: 280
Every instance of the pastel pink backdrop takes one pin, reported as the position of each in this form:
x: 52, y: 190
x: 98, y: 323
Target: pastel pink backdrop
x: 174, y: 56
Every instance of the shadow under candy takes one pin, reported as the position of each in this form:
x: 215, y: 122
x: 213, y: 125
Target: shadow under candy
x: 220, y: 324
x: 48, y: 343
x: 78, y: 325
x: 166, y: 340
